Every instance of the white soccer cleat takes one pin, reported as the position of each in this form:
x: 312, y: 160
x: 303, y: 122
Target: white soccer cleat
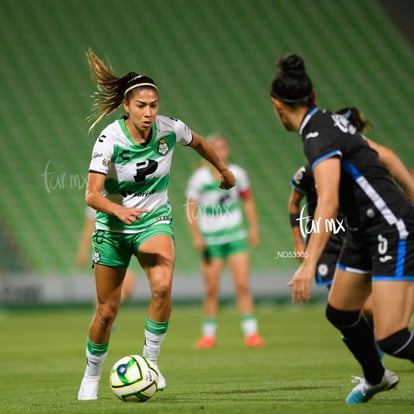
x: 162, y: 383
x: 89, y: 388
x: 364, y: 391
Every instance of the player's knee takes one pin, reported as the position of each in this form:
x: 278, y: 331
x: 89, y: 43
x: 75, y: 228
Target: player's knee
x: 341, y: 319
x: 161, y: 290
x: 398, y: 344
x: 106, y: 314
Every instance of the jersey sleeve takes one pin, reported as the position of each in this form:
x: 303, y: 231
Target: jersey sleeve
x: 101, y: 155
x: 321, y: 145
x: 183, y: 133
x: 90, y: 212
x: 242, y: 180
x: 298, y: 180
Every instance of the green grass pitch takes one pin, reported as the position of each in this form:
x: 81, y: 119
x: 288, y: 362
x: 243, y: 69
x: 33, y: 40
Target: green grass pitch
x: 304, y: 368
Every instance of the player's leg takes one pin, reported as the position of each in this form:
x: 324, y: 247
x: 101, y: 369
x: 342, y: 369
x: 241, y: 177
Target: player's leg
x: 212, y: 268
x: 108, y: 282
x: 239, y: 265
x: 156, y: 255
x: 128, y: 285
x: 393, y: 303
x: 347, y: 295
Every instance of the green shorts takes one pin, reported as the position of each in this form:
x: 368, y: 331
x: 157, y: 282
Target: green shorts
x: 222, y: 251
x: 116, y: 249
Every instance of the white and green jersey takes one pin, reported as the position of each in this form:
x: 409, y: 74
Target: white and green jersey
x: 220, y: 214
x: 137, y: 175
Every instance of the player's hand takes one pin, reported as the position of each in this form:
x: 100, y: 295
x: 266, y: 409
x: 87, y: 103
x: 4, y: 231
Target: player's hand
x: 301, y: 283
x: 198, y: 243
x: 227, y: 179
x: 131, y: 215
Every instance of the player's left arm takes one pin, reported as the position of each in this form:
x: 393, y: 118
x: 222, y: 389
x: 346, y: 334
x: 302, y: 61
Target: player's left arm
x: 205, y: 149
x: 395, y: 166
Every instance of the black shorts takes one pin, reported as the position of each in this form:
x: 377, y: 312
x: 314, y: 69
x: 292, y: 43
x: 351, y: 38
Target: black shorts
x: 379, y: 251
x: 325, y: 268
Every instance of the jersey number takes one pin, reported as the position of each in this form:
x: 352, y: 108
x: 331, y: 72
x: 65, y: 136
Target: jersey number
x: 145, y: 168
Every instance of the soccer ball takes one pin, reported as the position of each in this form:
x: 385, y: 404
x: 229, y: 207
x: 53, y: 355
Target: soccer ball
x: 133, y: 378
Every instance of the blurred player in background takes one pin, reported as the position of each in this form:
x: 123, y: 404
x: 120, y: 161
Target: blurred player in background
x: 127, y: 186
x: 215, y: 217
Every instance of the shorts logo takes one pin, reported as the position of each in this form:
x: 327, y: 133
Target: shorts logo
x: 383, y: 248
x: 323, y: 269
x: 96, y: 256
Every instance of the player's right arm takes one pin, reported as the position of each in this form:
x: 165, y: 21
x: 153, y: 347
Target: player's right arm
x: 395, y: 166
x: 294, y: 202
x: 192, y: 219
x: 96, y: 200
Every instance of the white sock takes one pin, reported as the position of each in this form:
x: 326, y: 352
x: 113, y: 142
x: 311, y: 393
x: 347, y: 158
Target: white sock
x: 152, y: 345
x: 249, y: 326
x: 94, y: 364
x: 209, y: 328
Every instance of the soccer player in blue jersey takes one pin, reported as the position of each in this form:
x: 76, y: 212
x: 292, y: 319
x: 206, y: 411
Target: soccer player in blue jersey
x: 378, y: 253
x: 127, y: 186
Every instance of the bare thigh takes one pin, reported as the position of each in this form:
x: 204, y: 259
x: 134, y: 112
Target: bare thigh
x: 157, y: 257
x: 108, y: 282
x: 212, y: 270
x: 349, y: 290
x: 239, y: 266
x: 392, y: 305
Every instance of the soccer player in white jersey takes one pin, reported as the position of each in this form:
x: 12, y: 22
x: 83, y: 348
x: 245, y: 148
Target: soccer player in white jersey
x: 216, y: 223
x: 127, y: 185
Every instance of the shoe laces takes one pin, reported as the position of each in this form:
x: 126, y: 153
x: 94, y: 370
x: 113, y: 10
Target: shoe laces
x: 362, y: 384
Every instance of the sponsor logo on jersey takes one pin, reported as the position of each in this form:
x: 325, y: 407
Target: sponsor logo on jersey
x: 97, y: 155
x: 312, y: 135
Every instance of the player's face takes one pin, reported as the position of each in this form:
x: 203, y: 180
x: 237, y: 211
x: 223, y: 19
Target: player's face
x: 280, y: 112
x: 221, y: 147
x: 142, y: 108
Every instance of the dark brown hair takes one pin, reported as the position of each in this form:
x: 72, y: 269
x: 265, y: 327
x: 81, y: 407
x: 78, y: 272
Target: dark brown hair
x: 112, y: 90
x: 291, y: 84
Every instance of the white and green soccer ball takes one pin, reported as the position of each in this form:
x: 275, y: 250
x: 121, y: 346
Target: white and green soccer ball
x: 133, y: 378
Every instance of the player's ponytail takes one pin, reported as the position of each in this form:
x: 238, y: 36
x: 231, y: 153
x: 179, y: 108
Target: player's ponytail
x: 292, y: 84
x: 112, y: 90
x: 356, y: 118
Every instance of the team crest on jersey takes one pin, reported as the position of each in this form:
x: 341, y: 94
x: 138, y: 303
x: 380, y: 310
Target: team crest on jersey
x: 106, y: 162
x: 162, y: 146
